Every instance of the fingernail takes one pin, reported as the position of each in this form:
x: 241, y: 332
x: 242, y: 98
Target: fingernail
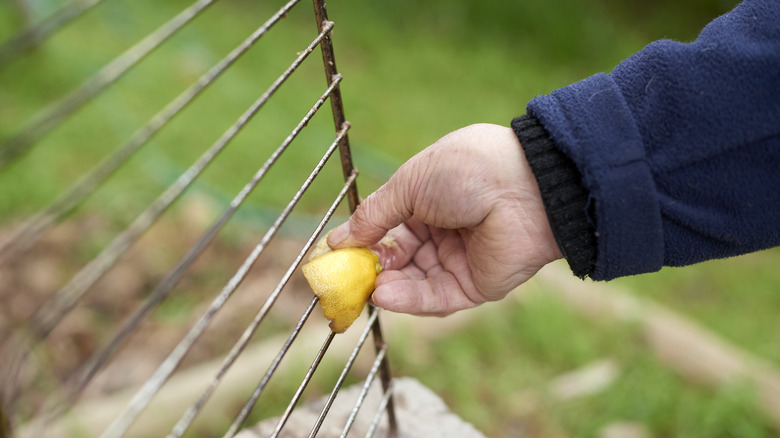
x: 338, y: 235
x: 373, y: 301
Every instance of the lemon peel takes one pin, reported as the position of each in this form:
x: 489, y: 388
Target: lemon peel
x: 343, y: 279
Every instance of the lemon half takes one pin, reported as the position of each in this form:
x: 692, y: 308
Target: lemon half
x: 343, y: 279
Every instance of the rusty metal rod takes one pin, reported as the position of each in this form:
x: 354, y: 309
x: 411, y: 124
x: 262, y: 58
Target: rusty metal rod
x: 373, y: 427
x: 384, y: 375
x: 246, y: 409
x: 95, y: 362
x: 266, y: 307
x: 250, y: 403
x: 329, y: 61
x: 380, y: 356
x: 343, y: 376
x: 166, y: 368
x: 305, y: 382
x: 336, y: 102
x: 49, y: 315
x: 42, y: 221
x: 56, y: 113
x: 120, y: 425
x: 241, y: 344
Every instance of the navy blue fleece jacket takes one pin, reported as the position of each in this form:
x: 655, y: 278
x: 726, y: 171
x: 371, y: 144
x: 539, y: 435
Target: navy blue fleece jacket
x: 672, y: 158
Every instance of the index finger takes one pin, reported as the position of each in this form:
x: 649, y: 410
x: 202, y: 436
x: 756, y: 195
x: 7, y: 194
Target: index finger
x: 388, y: 207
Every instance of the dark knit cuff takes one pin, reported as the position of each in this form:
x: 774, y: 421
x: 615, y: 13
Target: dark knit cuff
x: 564, y: 196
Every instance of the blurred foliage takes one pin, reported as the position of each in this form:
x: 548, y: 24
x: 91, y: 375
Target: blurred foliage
x: 493, y: 372
x: 735, y: 297
x: 413, y: 71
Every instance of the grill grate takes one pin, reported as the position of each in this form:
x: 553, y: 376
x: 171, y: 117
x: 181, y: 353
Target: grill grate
x: 18, y: 347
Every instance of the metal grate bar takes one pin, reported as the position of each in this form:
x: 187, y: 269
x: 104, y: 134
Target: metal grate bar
x: 53, y: 311
x: 250, y: 403
x: 246, y: 409
x: 42, y: 221
x: 329, y: 62
x: 302, y: 386
x: 166, y: 284
x: 274, y: 295
x: 380, y: 410
x: 59, y: 111
x: 34, y: 35
x: 380, y: 356
x: 239, y: 346
x: 336, y: 103
x: 340, y: 382
x: 384, y: 375
x: 154, y: 383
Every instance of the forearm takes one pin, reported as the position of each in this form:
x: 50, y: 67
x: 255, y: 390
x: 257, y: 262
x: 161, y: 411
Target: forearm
x: 677, y: 148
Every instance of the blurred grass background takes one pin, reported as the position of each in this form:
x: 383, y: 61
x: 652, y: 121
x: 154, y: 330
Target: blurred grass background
x: 413, y: 72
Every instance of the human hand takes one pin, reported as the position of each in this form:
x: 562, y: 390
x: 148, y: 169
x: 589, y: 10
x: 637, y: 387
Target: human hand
x: 468, y: 223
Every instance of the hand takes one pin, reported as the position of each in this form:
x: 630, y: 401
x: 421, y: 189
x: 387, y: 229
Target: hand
x: 468, y: 223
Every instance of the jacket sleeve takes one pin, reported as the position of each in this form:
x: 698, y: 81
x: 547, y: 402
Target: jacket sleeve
x: 676, y: 151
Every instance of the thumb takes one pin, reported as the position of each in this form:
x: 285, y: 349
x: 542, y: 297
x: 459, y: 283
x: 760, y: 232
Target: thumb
x: 380, y: 212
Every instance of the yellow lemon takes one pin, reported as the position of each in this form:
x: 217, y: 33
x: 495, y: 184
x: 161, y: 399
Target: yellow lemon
x: 343, y: 279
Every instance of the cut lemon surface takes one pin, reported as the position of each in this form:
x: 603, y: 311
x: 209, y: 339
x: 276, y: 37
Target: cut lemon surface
x: 343, y: 279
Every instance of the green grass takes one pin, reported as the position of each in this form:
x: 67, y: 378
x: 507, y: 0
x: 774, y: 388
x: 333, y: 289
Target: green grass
x: 734, y: 297
x: 481, y: 369
x: 413, y: 71
x: 490, y: 372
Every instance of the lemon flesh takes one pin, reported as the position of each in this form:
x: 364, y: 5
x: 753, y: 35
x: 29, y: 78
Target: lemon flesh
x: 343, y: 280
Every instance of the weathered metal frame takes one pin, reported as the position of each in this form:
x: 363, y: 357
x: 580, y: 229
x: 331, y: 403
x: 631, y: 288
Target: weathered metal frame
x: 54, y: 310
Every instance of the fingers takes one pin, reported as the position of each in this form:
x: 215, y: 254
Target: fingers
x: 401, y: 244
x: 411, y: 292
x: 437, y: 281
x: 380, y: 212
